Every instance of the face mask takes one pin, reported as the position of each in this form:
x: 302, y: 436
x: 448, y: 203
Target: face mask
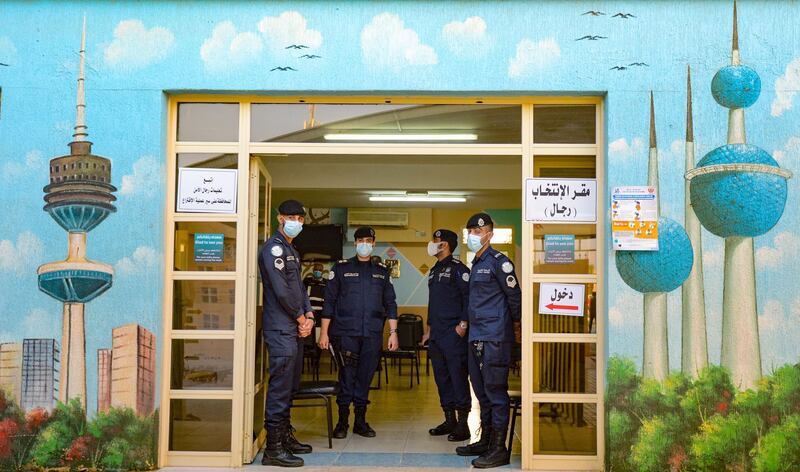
x: 474, y: 242
x: 317, y: 274
x: 434, y: 248
x: 364, y: 249
x: 292, y: 228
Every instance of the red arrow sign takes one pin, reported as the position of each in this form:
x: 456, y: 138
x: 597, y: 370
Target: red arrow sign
x: 561, y: 307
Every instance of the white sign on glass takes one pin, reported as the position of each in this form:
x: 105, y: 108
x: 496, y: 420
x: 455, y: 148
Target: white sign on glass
x: 202, y: 190
x: 561, y: 299
x: 560, y: 200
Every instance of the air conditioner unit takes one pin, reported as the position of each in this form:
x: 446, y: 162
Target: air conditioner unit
x: 376, y: 217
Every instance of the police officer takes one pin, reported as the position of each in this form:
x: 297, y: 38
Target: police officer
x: 287, y: 319
x: 448, y: 296
x: 315, y: 288
x: 494, y: 316
x: 358, y: 298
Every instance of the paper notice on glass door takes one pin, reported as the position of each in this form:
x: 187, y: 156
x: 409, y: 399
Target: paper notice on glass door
x: 634, y: 218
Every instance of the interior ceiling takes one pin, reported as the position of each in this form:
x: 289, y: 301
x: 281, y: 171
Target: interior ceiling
x: 346, y: 181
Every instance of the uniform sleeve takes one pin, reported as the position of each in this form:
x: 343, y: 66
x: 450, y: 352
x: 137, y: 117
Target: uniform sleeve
x: 507, y: 279
x: 274, y: 266
x: 331, y: 293
x: 389, y: 298
x: 463, y: 289
x: 306, y: 301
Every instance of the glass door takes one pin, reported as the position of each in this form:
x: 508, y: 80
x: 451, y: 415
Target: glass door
x: 260, y: 193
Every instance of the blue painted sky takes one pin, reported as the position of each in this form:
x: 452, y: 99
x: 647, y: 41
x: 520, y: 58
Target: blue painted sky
x: 138, y: 50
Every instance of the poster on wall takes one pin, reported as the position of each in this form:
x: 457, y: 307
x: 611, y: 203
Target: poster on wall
x: 559, y: 248
x: 209, y: 247
x: 203, y: 190
x: 561, y: 299
x: 634, y: 218
x: 550, y: 200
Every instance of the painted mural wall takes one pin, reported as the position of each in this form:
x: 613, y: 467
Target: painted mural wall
x: 695, y: 420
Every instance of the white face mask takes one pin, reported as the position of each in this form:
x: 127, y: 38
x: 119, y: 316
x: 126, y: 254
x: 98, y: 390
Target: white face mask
x: 435, y: 248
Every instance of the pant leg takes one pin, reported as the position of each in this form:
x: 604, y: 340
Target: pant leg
x: 476, y: 378
x: 441, y: 373
x: 456, y: 359
x: 298, y: 364
x: 282, y: 350
x: 367, y: 364
x: 347, y: 371
x: 497, y: 358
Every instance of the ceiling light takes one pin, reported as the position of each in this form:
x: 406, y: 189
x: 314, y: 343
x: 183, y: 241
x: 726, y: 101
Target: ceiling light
x: 418, y: 197
x: 400, y: 137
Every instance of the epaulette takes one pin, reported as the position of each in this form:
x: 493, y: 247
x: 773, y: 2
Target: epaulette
x: 457, y: 261
x: 342, y: 261
x: 381, y: 264
x: 277, y: 240
x: 498, y: 255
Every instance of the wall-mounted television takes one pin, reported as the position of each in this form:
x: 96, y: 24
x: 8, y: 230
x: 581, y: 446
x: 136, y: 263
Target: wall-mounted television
x: 320, y: 242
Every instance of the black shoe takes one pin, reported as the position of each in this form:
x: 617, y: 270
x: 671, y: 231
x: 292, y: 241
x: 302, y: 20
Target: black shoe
x: 276, y: 454
x: 479, y: 447
x: 340, y: 431
x: 496, y: 456
x: 293, y: 445
x: 448, y: 425
x: 461, y: 430
x: 360, y: 425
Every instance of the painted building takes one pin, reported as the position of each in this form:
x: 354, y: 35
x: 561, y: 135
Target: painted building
x: 340, y: 102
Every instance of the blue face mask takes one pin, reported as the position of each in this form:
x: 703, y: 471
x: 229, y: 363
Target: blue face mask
x: 364, y: 249
x: 292, y: 228
x: 474, y: 242
x: 317, y: 274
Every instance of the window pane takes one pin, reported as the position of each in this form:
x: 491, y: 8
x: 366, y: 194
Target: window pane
x: 565, y: 167
x: 200, y: 425
x: 202, y: 364
x: 564, y: 248
x: 203, y: 304
x: 304, y: 123
x: 565, y: 428
x: 544, y: 323
x: 565, y: 124
x: 208, y: 122
x: 564, y: 368
x: 197, y: 246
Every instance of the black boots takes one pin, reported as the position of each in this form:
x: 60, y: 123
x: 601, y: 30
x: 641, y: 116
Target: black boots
x: 461, y: 430
x: 360, y: 425
x: 292, y: 444
x: 275, y: 453
x: 448, y: 425
x: 479, y: 447
x: 496, y: 456
x: 340, y: 431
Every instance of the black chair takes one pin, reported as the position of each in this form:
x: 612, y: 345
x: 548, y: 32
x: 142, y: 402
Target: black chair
x: 323, y: 391
x: 409, y: 335
x: 516, y: 410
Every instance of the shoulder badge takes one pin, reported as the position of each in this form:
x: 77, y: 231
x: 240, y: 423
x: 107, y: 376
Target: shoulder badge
x: 331, y: 275
x: 507, y: 267
x: 279, y: 263
x: 465, y: 276
x: 511, y: 281
x: 276, y: 250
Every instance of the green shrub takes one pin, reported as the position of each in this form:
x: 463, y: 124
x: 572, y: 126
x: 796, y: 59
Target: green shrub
x: 779, y: 450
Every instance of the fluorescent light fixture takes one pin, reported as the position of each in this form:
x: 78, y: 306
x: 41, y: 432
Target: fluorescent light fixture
x: 400, y: 137
x: 430, y: 197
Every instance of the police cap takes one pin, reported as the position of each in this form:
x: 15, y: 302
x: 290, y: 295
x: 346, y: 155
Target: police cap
x: 291, y: 207
x: 447, y: 236
x: 479, y: 220
x: 364, y: 232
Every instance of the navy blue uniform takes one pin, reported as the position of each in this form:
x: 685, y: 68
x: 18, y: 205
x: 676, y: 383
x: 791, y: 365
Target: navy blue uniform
x: 285, y: 299
x: 448, y: 298
x: 494, y: 306
x: 358, y: 298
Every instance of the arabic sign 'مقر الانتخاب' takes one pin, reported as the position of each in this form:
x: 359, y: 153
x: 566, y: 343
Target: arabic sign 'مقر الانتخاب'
x: 550, y: 200
x: 203, y: 190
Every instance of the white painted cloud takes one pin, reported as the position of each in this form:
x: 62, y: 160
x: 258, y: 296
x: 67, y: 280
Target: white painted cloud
x: 8, y: 52
x: 626, y: 310
x: 32, y: 163
x: 466, y: 38
x: 712, y: 258
x: 785, y: 248
x: 135, y: 47
x: 532, y: 56
x: 786, y: 87
x: 778, y: 332
x: 146, y: 178
x: 386, y: 42
x: 289, y: 28
x: 144, y: 258
x: 623, y: 149
x: 228, y: 49
x: 789, y: 155
x: 23, y: 256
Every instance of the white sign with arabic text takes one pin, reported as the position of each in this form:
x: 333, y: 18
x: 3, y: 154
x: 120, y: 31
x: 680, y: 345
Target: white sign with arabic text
x: 202, y: 190
x: 561, y: 200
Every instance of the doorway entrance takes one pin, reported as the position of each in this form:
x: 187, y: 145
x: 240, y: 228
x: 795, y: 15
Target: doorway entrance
x: 344, y: 158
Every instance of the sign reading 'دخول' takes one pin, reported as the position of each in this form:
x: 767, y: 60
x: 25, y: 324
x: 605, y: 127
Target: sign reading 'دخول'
x: 560, y: 200
x: 204, y: 190
x: 561, y: 299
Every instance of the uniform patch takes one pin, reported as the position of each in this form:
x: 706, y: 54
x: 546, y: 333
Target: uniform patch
x: 331, y: 275
x: 480, y: 221
x: 511, y: 281
x: 289, y: 258
x: 276, y: 251
x: 465, y: 276
x: 484, y: 271
x: 279, y: 263
x: 351, y: 274
x: 507, y: 267
x: 378, y: 276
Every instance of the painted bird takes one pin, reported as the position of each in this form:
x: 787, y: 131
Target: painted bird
x: 309, y: 56
x: 283, y: 69
x: 591, y: 38
x: 593, y: 13
x: 638, y: 64
x: 624, y: 16
x: 3, y: 64
x: 296, y: 46
x: 619, y: 68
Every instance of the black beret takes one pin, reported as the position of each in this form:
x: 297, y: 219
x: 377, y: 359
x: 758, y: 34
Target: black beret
x: 479, y: 220
x: 364, y: 232
x: 448, y: 236
x: 291, y: 207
